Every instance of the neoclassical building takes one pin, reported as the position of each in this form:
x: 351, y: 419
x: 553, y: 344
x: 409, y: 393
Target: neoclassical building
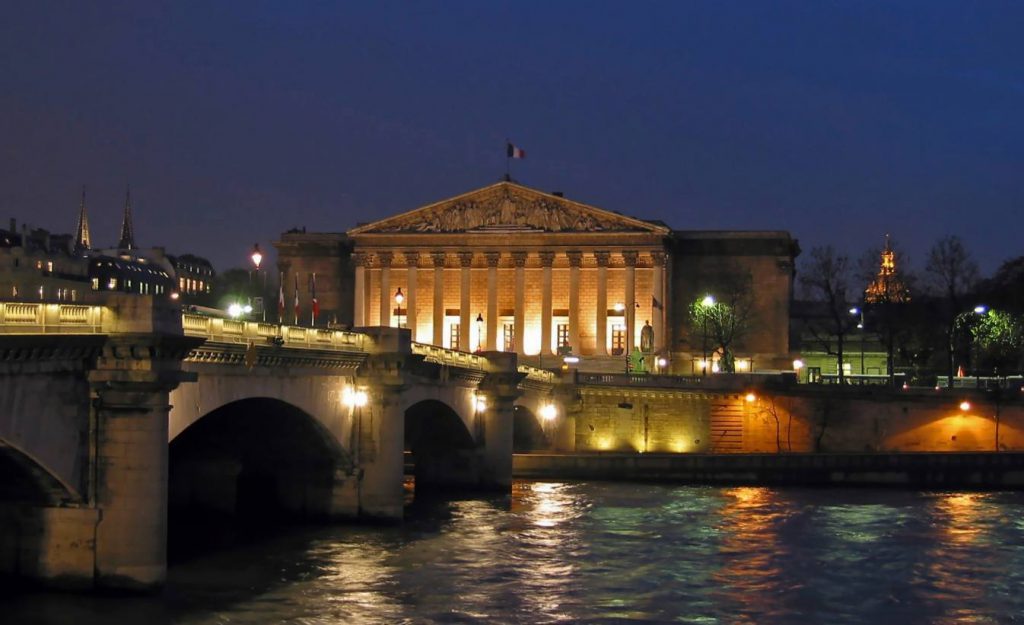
x: 510, y: 268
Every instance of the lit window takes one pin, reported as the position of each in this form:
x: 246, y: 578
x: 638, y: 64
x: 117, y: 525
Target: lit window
x: 49, y: 265
x: 39, y: 264
x: 508, y: 337
x: 95, y: 284
x: 563, y: 334
x: 453, y: 336
x: 112, y: 285
x: 74, y: 295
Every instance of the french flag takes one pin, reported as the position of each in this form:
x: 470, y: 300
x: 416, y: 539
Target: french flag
x: 514, y: 152
x: 316, y: 302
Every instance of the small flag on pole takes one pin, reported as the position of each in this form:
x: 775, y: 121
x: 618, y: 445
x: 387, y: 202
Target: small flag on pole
x: 515, y: 152
x: 296, y: 299
x: 280, y: 300
x: 316, y: 303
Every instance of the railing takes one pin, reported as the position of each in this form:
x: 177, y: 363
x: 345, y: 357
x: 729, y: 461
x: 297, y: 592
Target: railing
x: 26, y: 318
x: 540, y: 375
x: 235, y: 331
x: 442, y: 356
x: 639, y: 379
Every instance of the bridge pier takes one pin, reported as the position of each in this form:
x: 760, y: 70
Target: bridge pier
x: 501, y: 388
x: 379, y: 433
x: 130, y: 389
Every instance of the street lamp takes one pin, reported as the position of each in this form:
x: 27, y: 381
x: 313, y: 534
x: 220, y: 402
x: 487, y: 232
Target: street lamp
x: 860, y: 326
x: 399, y: 298
x: 257, y: 258
x: 979, y: 310
x: 706, y: 303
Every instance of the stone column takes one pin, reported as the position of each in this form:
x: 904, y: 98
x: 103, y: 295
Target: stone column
x: 546, y: 259
x: 603, y: 258
x: 439, y: 259
x: 658, y: 303
x: 465, y: 264
x: 385, y: 287
x: 575, y: 261
x: 630, y: 259
x: 493, y: 258
x: 519, y: 260
x: 359, y: 297
x: 412, y: 261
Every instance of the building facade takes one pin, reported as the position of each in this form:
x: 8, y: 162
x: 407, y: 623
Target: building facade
x: 510, y: 268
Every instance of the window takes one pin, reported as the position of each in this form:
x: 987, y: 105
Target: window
x: 112, y: 285
x: 562, y: 333
x: 49, y: 266
x: 95, y: 284
x: 454, y: 336
x: 618, y: 340
x: 508, y: 334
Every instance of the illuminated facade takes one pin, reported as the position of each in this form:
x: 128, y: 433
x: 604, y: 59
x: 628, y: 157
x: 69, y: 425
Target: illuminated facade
x: 509, y: 268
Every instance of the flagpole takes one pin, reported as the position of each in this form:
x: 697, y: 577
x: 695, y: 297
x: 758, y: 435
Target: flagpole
x: 312, y: 309
x: 508, y: 159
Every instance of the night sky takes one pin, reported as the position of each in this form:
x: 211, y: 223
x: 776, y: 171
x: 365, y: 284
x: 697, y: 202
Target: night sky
x: 837, y: 121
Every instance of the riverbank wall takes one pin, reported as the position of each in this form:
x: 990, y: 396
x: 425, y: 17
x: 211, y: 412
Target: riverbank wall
x: 972, y: 471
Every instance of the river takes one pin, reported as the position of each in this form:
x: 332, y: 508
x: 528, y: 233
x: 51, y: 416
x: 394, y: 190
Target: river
x: 607, y: 553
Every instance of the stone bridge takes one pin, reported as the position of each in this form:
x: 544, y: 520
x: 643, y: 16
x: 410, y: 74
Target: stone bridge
x: 111, y: 415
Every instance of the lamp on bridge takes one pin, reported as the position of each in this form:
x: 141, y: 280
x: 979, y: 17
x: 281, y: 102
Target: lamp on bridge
x: 399, y: 299
x: 257, y: 259
x: 705, y: 303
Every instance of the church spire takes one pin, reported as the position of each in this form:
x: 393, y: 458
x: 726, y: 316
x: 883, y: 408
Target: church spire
x: 82, y: 242
x: 127, y: 241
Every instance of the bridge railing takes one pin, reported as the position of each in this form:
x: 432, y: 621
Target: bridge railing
x: 238, y: 331
x: 40, y: 318
x: 442, y: 356
x: 639, y: 379
x: 540, y: 375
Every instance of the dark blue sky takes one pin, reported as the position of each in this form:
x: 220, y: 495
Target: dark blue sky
x: 838, y: 121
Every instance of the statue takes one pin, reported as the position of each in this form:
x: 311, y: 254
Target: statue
x: 647, y: 338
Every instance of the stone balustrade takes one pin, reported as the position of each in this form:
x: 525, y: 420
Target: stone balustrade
x: 220, y: 330
x: 42, y: 318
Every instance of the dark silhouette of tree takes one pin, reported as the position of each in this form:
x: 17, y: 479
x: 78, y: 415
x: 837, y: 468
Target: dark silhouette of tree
x: 826, y: 281
x: 951, y: 275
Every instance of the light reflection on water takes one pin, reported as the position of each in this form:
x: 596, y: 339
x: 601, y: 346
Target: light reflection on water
x: 591, y: 552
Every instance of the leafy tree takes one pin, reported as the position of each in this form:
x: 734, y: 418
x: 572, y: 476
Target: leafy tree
x: 726, y: 317
x: 826, y: 280
x: 999, y: 337
x: 951, y: 275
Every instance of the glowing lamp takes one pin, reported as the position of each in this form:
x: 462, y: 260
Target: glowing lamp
x: 548, y: 412
x: 480, y: 404
x: 965, y: 406
x: 708, y: 301
x: 750, y: 398
x: 399, y: 296
x: 235, y: 310
x: 798, y: 364
x: 257, y: 256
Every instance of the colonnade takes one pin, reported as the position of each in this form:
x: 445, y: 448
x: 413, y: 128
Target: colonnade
x: 600, y: 261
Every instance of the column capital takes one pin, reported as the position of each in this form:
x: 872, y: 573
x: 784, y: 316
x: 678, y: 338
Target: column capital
x: 465, y: 259
x: 575, y: 258
x: 493, y: 258
x: 629, y: 257
x: 546, y: 258
x: 359, y: 259
x: 439, y: 259
x: 658, y: 258
x: 603, y: 258
x: 519, y: 258
x: 385, y: 258
x: 412, y: 258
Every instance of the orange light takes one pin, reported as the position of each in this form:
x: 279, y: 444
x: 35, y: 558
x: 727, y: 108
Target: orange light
x: 750, y: 397
x: 965, y: 406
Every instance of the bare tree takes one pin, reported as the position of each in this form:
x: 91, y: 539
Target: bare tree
x: 951, y: 275
x: 725, y: 315
x: 826, y: 280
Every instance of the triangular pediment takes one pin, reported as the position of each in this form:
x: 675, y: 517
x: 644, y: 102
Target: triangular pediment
x: 507, y: 207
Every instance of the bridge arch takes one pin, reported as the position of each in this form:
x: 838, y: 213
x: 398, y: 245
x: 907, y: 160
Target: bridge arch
x: 528, y: 433
x: 442, y: 448
x: 259, y: 458
x: 28, y: 481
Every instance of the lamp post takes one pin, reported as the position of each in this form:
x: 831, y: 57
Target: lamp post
x: 706, y: 303
x: 860, y: 326
x: 399, y: 298
x: 979, y: 310
x: 257, y: 258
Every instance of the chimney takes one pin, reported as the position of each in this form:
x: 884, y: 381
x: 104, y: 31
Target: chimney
x: 557, y: 194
